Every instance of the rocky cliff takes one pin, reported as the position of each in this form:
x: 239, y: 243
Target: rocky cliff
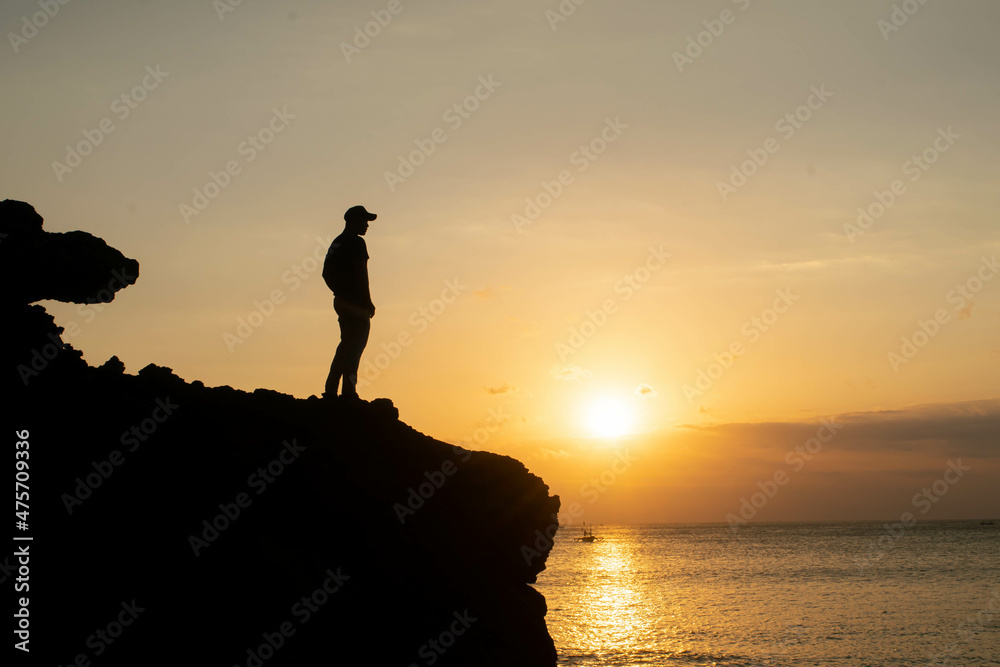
x: 177, y: 523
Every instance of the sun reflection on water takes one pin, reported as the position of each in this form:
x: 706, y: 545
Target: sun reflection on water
x: 610, y: 611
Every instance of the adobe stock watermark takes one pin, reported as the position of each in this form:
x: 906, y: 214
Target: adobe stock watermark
x: 751, y: 329
x: 697, y: 44
x: 223, y: 7
x: 132, y: 438
x: 249, y: 149
x: 22, y: 616
x: 302, y: 611
x: 924, y: 500
x: 581, y: 158
x: 419, y: 321
x: 40, y: 358
x: 786, y: 126
x: 7, y: 569
x: 103, y: 638
x: 899, y: 17
x: 31, y: 25
x: 417, y: 496
x: 122, y: 107
x: 960, y: 296
x: 259, y: 482
x: 455, y: 116
x: 915, y: 167
x: 595, y: 487
x: 796, y: 459
x: 626, y: 286
x: 364, y: 34
x: 562, y: 12
x: 968, y: 630
x: 591, y: 491
x: 431, y: 651
x: 262, y: 310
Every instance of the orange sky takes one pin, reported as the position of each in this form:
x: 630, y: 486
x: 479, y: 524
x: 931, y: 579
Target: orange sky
x: 570, y: 211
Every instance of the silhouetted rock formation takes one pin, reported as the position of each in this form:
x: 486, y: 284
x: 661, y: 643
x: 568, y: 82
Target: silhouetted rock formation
x: 181, y: 524
x: 76, y: 267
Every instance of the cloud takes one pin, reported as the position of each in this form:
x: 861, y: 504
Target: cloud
x: 502, y: 389
x: 525, y: 329
x: 868, y: 383
x: 489, y: 293
x: 552, y: 454
x: 570, y: 373
x: 645, y: 391
x: 947, y: 429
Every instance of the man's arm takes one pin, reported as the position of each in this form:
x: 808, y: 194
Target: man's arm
x: 361, y: 280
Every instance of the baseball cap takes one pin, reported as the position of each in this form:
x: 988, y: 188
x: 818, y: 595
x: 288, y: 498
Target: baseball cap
x: 359, y: 213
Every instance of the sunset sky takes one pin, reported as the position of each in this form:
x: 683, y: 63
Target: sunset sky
x: 579, y: 215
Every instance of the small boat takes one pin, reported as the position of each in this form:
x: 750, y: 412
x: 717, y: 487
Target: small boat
x: 588, y: 535
x: 986, y: 523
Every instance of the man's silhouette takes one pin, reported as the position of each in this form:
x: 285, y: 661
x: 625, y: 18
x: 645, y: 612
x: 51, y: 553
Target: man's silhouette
x: 346, y: 273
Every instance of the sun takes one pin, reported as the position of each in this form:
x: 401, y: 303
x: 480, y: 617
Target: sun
x: 609, y: 417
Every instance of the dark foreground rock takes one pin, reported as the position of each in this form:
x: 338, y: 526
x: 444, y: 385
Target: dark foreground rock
x: 175, y: 523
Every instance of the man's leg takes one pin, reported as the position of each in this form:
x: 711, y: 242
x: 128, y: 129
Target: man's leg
x: 333, y: 379
x: 354, y: 340
x: 337, y: 366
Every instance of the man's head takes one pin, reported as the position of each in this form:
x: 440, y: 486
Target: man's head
x: 357, y: 219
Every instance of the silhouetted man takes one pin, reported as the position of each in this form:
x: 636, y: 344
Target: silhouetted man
x: 346, y: 273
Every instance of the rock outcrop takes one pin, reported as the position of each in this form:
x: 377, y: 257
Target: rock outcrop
x: 175, y: 523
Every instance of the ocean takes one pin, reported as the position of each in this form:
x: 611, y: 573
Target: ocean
x: 825, y: 594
